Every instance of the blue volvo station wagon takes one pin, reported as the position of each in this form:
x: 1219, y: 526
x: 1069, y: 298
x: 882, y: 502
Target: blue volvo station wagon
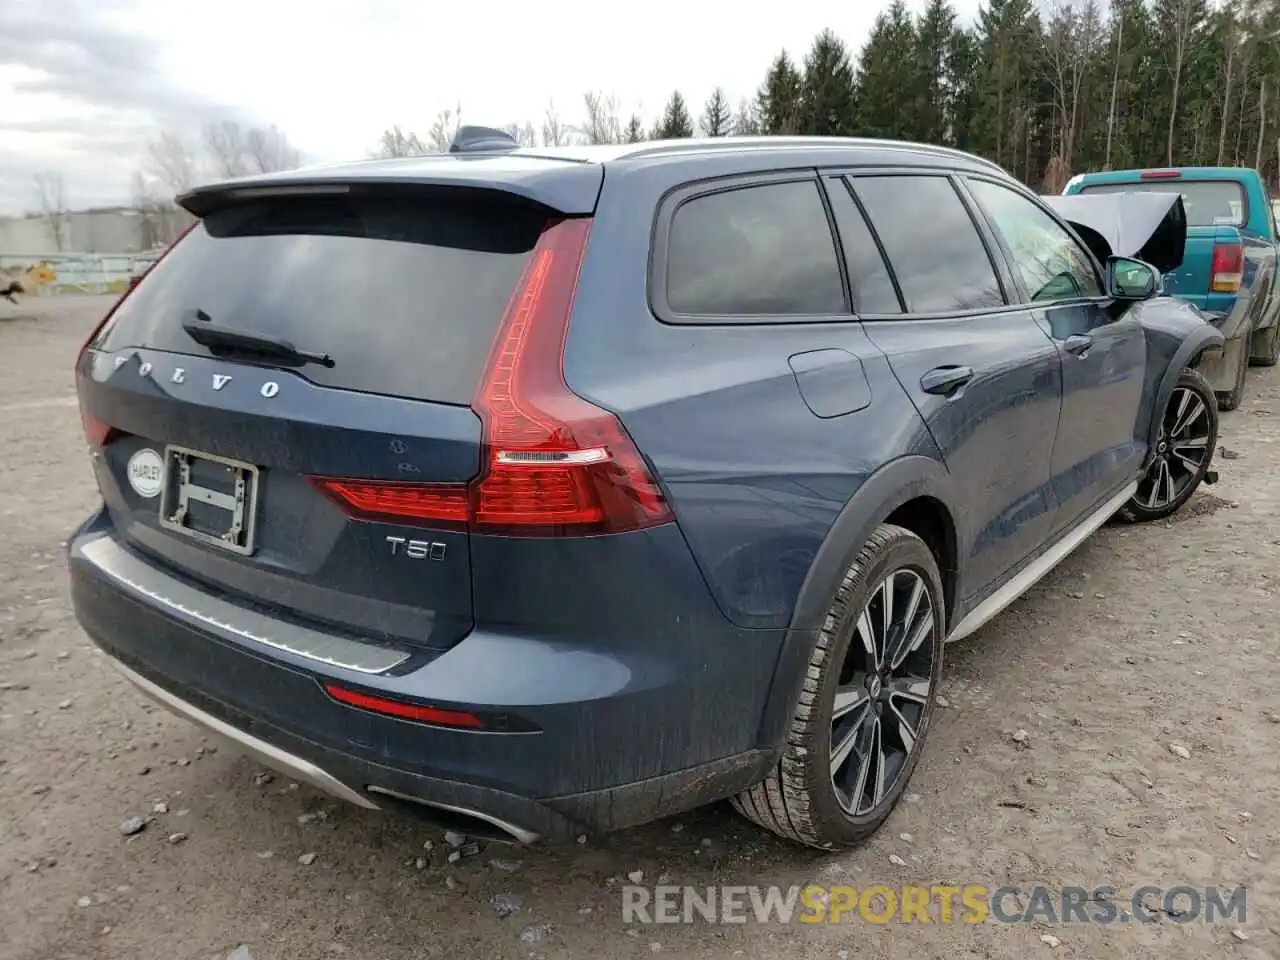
x: 548, y: 491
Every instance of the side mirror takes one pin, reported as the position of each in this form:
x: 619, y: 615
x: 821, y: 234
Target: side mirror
x: 1129, y: 279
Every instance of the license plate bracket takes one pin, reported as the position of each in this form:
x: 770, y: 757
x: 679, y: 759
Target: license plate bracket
x: 210, y: 498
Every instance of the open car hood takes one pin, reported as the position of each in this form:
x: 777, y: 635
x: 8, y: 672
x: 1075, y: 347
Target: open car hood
x: 1145, y: 225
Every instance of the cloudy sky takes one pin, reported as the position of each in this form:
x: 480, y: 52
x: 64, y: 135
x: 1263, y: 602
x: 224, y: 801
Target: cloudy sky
x: 84, y: 84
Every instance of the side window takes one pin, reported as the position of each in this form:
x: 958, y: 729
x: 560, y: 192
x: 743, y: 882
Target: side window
x: 1052, y: 265
x: 869, y: 279
x: 932, y: 244
x: 763, y: 250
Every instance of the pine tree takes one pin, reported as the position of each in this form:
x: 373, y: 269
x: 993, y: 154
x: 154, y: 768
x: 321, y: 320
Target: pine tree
x: 778, y: 102
x: 889, y: 71
x: 634, y: 132
x: 675, y: 121
x: 935, y: 39
x: 716, y: 120
x: 828, y: 95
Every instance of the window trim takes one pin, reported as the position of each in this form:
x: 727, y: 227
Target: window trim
x: 999, y: 265
x: 659, y: 248
x: 1099, y: 273
x: 838, y: 181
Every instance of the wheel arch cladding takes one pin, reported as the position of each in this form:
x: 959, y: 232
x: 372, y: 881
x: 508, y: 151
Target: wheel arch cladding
x: 1186, y: 355
x: 912, y: 491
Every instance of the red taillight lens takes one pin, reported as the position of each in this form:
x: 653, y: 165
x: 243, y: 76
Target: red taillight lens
x: 403, y: 710
x: 1160, y: 174
x: 96, y: 432
x: 1227, y: 270
x: 555, y: 465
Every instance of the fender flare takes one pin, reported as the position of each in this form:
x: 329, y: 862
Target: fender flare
x: 1196, y: 342
x: 892, y: 485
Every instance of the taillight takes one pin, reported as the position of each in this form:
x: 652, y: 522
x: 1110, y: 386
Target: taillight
x: 95, y: 431
x: 1161, y: 174
x: 555, y: 465
x: 1228, y: 268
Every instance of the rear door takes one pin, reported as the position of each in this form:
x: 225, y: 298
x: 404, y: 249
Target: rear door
x: 1104, y: 349
x: 983, y: 375
x: 396, y: 296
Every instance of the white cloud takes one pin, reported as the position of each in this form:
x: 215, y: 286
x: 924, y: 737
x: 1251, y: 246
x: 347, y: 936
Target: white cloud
x: 85, y: 83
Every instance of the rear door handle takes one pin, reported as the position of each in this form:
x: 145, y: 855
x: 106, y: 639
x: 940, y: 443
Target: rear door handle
x: 945, y: 380
x: 1077, y: 344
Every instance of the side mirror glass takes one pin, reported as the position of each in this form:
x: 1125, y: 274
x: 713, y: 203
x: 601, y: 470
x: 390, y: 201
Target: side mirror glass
x: 1129, y: 279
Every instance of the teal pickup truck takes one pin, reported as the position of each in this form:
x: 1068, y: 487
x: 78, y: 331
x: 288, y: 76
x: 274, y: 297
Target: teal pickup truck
x: 1229, y: 263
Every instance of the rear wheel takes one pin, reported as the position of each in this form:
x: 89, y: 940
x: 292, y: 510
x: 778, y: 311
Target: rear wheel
x: 1266, y: 346
x: 867, y: 700
x: 1184, y: 449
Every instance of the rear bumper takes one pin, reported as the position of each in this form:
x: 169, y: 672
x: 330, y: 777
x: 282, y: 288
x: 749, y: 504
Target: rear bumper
x: 614, y: 740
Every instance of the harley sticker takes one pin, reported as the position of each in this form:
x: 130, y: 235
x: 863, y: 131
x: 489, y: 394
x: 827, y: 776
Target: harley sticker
x: 146, y: 472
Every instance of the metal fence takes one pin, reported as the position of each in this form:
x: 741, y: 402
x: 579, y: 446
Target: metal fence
x: 53, y: 274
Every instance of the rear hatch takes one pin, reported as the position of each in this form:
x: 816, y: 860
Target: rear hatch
x: 1209, y: 275
x: 294, y: 336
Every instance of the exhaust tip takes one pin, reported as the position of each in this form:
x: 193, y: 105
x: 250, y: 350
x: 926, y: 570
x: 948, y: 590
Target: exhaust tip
x: 473, y: 823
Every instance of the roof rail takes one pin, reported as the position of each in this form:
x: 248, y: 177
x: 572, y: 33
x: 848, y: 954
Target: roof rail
x: 473, y: 139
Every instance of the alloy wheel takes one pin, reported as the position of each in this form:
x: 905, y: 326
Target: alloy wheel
x: 1182, y: 449
x: 883, y: 692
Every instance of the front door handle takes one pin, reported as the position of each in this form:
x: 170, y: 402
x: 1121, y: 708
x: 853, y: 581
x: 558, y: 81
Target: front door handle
x: 1078, y: 344
x: 945, y: 380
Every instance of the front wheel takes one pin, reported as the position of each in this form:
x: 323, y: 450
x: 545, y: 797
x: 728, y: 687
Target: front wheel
x: 859, y: 725
x: 1185, y: 443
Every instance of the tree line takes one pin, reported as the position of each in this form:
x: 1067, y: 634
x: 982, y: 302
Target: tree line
x: 1045, y: 92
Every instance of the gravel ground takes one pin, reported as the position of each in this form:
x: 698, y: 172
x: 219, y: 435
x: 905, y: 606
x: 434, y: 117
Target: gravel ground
x: 1145, y: 638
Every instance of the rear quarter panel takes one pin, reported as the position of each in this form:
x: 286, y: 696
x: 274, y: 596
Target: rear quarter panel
x: 755, y: 477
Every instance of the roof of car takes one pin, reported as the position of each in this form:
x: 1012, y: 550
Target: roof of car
x: 525, y: 164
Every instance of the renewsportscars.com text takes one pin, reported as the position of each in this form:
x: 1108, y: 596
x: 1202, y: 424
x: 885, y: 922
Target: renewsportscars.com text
x: 943, y: 904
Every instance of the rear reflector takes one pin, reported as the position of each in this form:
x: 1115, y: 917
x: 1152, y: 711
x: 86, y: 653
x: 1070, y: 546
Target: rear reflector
x: 402, y: 709
x: 554, y: 464
x: 1227, y: 270
x: 1161, y: 174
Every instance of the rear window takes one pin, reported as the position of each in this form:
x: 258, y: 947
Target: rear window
x: 405, y: 292
x: 1209, y: 203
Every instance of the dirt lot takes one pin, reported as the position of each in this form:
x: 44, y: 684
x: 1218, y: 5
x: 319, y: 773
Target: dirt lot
x: 1146, y: 637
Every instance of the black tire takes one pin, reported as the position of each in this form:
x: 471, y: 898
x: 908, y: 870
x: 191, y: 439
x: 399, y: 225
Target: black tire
x: 1231, y: 400
x: 1268, y: 352
x: 1150, y: 504
x: 798, y: 800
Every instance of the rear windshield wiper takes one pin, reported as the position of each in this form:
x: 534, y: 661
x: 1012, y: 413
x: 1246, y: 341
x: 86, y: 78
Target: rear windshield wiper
x: 221, y: 339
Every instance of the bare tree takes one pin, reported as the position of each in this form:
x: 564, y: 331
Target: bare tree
x: 554, y: 132
x: 53, y: 206
x: 601, y: 124
x: 1231, y: 42
x: 1185, y: 30
x: 227, y: 149
x: 1115, y: 86
x: 235, y: 151
x: 269, y: 150
x: 400, y: 143
x: 173, y: 162
x: 443, y: 129
x: 1070, y: 46
x: 522, y: 133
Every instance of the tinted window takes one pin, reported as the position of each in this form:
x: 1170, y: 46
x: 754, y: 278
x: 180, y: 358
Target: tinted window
x: 869, y: 278
x: 1208, y: 202
x: 765, y: 250
x: 1052, y: 265
x: 404, y: 292
x: 932, y: 244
